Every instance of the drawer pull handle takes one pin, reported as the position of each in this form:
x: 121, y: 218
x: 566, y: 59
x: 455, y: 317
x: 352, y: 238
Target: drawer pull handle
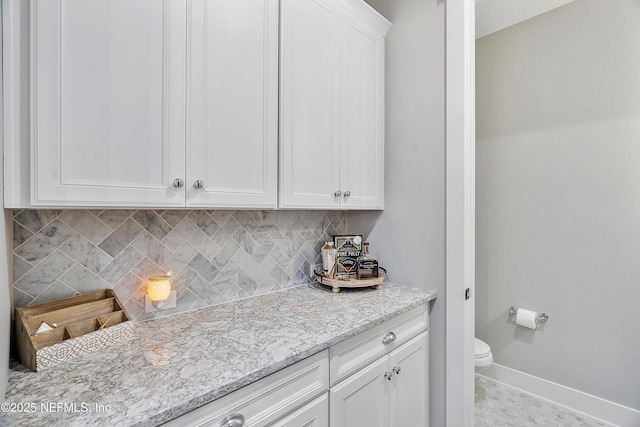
x: 388, y: 375
x: 389, y: 338
x: 233, y: 420
x: 396, y: 370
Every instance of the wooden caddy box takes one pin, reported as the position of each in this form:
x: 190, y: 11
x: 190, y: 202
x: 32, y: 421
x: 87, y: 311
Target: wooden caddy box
x: 81, y: 324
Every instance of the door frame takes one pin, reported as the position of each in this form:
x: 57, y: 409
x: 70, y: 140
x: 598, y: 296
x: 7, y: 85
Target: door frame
x: 460, y: 212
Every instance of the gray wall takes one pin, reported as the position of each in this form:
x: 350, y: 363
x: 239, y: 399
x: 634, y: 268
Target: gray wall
x: 558, y: 195
x: 408, y: 236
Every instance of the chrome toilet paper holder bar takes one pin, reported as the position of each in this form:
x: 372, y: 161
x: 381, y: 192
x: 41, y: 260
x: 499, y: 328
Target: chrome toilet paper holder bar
x: 542, y: 317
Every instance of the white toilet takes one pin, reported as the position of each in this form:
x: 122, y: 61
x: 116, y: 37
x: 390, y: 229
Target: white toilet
x: 484, y: 357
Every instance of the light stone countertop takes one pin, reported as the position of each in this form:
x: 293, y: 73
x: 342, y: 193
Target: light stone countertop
x: 177, y: 363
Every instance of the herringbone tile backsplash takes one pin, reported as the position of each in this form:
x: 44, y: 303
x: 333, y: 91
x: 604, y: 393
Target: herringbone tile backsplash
x: 213, y: 256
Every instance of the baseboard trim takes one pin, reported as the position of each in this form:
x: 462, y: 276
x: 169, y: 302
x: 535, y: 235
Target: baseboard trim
x: 578, y: 401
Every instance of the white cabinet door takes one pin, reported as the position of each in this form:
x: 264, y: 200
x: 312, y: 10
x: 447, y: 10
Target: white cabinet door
x: 332, y: 105
x: 309, y: 105
x: 362, y: 148
x: 392, y: 391
x: 313, y: 414
x: 107, y: 99
x: 362, y: 399
x: 232, y: 103
x: 409, y: 405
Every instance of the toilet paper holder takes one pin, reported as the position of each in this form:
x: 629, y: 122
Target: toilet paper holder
x: 542, y: 317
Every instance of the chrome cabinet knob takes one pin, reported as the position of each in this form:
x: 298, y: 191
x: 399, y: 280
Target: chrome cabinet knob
x: 337, y: 193
x: 233, y: 420
x: 198, y: 185
x: 396, y: 370
x: 347, y: 193
x: 388, y: 375
x: 178, y: 183
x: 389, y: 338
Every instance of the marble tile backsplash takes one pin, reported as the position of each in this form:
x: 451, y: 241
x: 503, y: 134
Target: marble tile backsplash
x: 213, y: 256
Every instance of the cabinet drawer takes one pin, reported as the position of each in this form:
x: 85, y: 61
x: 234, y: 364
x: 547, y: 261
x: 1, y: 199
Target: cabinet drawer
x: 354, y: 353
x: 268, y: 399
x: 313, y: 414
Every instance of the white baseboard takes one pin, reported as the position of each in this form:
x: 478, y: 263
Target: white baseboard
x: 578, y: 401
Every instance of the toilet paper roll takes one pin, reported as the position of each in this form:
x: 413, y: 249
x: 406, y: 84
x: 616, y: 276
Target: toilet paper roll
x: 526, y: 318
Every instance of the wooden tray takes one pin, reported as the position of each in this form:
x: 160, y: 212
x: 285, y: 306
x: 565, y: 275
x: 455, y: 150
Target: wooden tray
x: 81, y: 324
x: 351, y: 283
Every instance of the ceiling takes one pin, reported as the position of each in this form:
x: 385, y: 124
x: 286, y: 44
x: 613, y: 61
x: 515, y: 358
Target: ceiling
x: 494, y: 15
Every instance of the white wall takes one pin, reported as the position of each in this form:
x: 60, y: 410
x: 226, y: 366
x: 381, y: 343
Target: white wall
x: 558, y: 195
x: 5, y: 281
x: 5, y: 295
x: 408, y: 236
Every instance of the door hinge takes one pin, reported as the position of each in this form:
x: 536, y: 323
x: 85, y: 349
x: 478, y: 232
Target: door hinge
x: 467, y: 294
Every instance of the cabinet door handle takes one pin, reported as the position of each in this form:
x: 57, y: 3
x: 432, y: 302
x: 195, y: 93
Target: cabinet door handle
x: 233, y: 420
x: 178, y: 183
x: 389, y: 338
x: 198, y: 185
x: 347, y: 194
x: 388, y: 375
x: 337, y: 193
x: 396, y: 370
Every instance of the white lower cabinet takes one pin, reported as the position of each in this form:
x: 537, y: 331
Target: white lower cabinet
x: 380, y: 377
x: 392, y: 391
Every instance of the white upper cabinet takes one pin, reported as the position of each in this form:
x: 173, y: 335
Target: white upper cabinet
x: 331, y: 105
x: 309, y: 104
x: 362, y: 115
x: 232, y: 103
x: 154, y: 103
x: 186, y: 103
x: 107, y: 102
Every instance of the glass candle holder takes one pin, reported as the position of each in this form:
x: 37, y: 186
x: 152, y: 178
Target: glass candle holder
x: 159, y: 288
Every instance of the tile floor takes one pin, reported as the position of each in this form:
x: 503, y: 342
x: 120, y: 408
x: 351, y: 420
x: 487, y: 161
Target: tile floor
x: 498, y: 405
